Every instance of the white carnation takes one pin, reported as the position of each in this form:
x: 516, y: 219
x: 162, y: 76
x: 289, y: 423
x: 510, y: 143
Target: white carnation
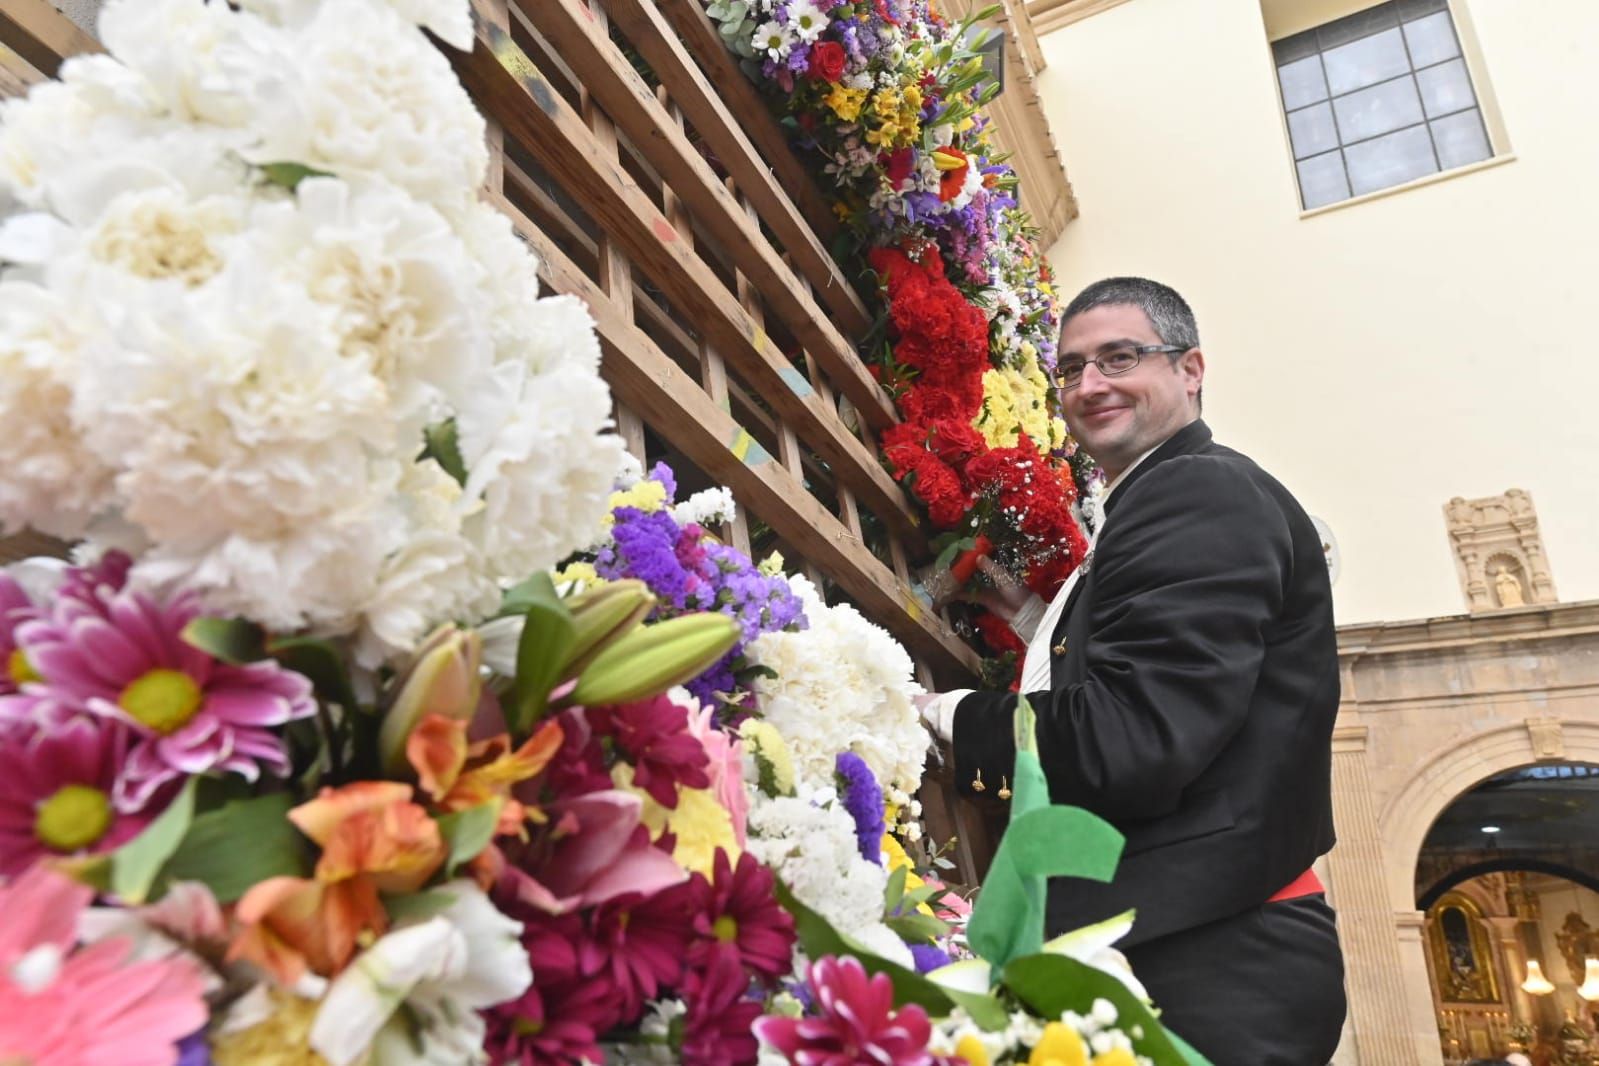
x: 48, y: 479
x: 449, y: 20
x: 842, y: 684
x: 373, y: 98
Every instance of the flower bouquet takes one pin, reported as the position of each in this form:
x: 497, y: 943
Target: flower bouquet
x: 886, y: 97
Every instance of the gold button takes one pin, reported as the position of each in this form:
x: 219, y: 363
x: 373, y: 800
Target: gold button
x: 1059, y: 649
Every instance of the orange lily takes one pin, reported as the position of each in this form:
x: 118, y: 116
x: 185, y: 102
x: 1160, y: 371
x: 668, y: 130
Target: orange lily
x: 459, y: 777
x: 373, y: 839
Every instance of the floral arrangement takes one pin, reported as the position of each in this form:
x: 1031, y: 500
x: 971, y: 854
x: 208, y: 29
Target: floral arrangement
x: 886, y: 97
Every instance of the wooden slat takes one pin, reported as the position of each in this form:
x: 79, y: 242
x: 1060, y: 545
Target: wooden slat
x: 507, y: 84
x: 581, y: 38
x: 702, y: 105
x: 42, y: 35
x: 648, y: 381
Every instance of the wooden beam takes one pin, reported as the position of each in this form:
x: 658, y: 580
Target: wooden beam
x: 42, y: 35
x: 507, y: 85
x: 650, y: 383
x: 631, y: 104
x: 641, y: 21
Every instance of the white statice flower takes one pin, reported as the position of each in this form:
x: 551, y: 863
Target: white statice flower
x: 204, y: 61
x: 708, y: 507
x: 842, y: 684
x: 814, y: 851
x: 49, y: 479
x: 372, y: 97
x: 413, y: 997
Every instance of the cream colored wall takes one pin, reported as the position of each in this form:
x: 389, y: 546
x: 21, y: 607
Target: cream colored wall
x: 1554, y: 904
x: 1380, y: 357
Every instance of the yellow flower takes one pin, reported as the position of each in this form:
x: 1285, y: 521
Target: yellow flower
x: 886, y: 103
x: 894, y: 851
x: 647, y: 495
x: 1057, y: 433
x: 1059, y: 1046
x: 913, y: 98
x: 580, y: 572
x: 700, y: 824
x: 997, y: 420
x: 883, y: 135
x: 972, y: 1050
x: 282, y: 1038
x: 774, y: 764
x: 846, y: 103
x: 1118, y: 1056
x: 772, y: 565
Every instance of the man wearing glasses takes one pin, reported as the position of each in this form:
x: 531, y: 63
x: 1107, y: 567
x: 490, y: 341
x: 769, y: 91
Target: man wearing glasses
x: 1186, y: 682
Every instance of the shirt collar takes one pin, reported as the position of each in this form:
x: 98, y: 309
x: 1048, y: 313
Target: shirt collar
x: 1121, y: 477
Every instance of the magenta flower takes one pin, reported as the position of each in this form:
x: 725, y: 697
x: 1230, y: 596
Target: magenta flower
x: 717, y: 1026
x: 593, y: 849
x: 655, y: 735
x: 558, y: 1020
x: 637, y: 943
x: 55, y: 793
x: 742, y: 913
x: 857, y: 1023
x: 15, y: 608
x: 121, y: 655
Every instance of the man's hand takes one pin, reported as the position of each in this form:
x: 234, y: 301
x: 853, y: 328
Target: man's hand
x: 1008, y: 595
x: 927, y: 707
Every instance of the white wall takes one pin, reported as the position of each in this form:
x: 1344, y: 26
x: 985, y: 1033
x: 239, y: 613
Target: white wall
x: 1383, y: 356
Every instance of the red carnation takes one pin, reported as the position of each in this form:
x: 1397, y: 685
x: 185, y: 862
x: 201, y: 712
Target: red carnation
x: 827, y: 61
x: 898, y: 165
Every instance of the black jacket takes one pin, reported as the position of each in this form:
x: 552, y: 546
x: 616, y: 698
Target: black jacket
x: 1192, y: 695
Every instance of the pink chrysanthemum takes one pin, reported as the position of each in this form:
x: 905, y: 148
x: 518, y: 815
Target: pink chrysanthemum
x: 121, y: 655
x: 638, y: 942
x: 62, y: 1004
x: 857, y: 1021
x: 742, y: 912
x: 55, y: 792
x: 560, y: 1018
x: 15, y: 608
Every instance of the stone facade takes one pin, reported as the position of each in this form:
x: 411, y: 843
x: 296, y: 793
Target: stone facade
x: 1430, y: 708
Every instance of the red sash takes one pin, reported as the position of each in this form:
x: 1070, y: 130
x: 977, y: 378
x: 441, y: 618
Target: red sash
x: 1306, y: 884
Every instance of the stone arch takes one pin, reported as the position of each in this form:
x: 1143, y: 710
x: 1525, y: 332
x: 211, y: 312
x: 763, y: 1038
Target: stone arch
x: 1454, y: 769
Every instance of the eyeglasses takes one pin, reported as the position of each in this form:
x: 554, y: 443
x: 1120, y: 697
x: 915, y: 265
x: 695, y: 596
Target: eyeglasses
x: 1111, y: 363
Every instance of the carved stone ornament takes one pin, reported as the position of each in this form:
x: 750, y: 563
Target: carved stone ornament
x: 1499, y: 554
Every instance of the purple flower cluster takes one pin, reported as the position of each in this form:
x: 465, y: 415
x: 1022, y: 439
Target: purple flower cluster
x: 688, y: 572
x: 863, y: 798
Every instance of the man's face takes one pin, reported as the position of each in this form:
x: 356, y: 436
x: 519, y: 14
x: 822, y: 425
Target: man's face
x: 1117, y: 419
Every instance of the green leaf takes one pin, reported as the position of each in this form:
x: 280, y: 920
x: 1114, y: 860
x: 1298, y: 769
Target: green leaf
x: 818, y: 937
x: 548, y: 635
x: 238, y: 845
x: 468, y: 832
x: 289, y: 175
x: 916, y: 927
x: 1050, y: 984
x: 136, y: 864
x: 894, y: 890
x: 443, y: 446
x: 233, y: 640
x: 952, y: 549
x: 321, y: 662
x: 417, y: 906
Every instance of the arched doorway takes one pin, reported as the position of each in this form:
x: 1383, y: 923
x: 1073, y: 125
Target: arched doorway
x: 1507, y: 880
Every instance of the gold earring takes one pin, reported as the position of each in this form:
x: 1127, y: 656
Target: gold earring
x: 977, y: 782
x: 1004, y: 788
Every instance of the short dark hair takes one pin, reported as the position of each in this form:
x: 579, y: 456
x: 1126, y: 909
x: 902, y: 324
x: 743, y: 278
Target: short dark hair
x: 1167, y: 311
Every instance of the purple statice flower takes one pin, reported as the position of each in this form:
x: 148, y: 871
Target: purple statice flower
x: 644, y: 545
x: 662, y: 473
x: 193, y: 1050
x: 928, y: 957
x: 863, y: 798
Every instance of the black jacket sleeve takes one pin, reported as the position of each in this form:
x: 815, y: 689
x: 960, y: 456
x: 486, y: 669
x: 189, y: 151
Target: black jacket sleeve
x: 1189, y: 574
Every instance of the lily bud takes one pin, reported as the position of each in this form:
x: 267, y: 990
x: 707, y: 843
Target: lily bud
x: 445, y: 678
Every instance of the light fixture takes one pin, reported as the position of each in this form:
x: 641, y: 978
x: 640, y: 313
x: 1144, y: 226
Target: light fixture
x: 1589, y: 989
x: 1490, y: 829
x: 1536, y: 983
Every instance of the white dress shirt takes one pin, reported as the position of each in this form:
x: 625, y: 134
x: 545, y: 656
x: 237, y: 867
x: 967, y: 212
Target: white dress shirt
x: 1035, y: 623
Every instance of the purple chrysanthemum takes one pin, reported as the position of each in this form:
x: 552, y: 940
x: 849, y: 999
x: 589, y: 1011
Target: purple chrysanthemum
x: 863, y: 798
x: 56, y: 788
x: 121, y: 655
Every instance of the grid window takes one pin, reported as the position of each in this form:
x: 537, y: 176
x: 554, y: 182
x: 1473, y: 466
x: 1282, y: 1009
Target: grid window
x: 1376, y: 99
